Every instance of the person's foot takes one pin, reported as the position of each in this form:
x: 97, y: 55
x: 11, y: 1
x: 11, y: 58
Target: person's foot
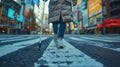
x: 60, y: 44
x: 60, y: 47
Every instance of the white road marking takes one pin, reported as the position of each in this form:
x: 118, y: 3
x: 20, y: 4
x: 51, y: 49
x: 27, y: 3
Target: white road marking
x: 16, y: 39
x: 116, y: 49
x: 8, y: 38
x: 101, y: 39
x: 100, y: 44
x: 16, y: 46
x: 67, y: 57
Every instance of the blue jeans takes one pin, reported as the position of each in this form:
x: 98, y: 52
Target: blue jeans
x: 59, y: 30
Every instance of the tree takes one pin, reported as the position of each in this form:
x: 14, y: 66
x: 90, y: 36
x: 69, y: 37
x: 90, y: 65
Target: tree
x: 32, y: 20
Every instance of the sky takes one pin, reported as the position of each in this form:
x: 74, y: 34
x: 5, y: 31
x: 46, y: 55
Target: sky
x: 41, y: 5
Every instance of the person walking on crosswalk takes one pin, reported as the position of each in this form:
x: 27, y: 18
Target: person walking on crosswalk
x: 60, y: 13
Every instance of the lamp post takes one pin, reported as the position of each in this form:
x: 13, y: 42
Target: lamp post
x: 103, y: 11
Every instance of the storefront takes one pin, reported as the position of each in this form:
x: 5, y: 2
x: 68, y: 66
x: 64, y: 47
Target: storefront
x: 9, y: 17
x: 111, y: 25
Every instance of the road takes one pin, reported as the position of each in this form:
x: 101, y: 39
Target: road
x: 80, y: 51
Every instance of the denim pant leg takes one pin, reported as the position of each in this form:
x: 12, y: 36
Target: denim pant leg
x: 62, y: 29
x: 59, y: 30
x: 55, y: 27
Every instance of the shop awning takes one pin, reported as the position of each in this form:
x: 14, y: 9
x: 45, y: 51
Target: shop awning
x: 100, y: 26
x: 110, y: 23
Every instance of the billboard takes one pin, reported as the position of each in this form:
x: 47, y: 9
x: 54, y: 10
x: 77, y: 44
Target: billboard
x: 11, y: 13
x: 14, y: 15
x: 94, y: 7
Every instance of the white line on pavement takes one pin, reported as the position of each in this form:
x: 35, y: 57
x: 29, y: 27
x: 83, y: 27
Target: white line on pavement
x: 102, y: 39
x: 67, y: 57
x: 115, y: 49
x: 8, y: 38
x: 16, y: 39
x: 100, y: 44
x: 16, y: 46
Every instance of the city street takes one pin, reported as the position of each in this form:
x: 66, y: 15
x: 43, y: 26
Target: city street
x: 91, y: 28
x: 80, y: 51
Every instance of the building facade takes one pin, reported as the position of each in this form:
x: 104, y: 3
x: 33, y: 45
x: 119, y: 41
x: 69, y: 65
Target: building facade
x: 14, y: 16
x: 111, y: 22
x: 8, y: 19
x: 95, y: 15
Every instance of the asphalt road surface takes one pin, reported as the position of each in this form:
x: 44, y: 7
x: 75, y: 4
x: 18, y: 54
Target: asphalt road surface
x: 80, y: 51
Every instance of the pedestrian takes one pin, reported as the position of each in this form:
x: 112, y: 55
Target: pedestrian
x: 60, y: 13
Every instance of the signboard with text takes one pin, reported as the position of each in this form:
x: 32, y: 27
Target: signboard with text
x: 94, y: 7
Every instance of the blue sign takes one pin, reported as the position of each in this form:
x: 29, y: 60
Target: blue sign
x: 11, y: 13
x: 20, y: 18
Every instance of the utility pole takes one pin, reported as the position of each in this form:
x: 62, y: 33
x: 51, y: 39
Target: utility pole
x: 103, y: 11
x: 78, y: 32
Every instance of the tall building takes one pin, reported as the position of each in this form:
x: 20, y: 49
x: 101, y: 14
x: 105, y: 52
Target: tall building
x: 111, y: 22
x: 9, y: 20
x: 114, y: 8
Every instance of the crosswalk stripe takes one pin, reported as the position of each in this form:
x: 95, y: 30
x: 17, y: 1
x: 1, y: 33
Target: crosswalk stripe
x: 4, y: 38
x: 67, y: 57
x: 16, y: 39
x: 100, y: 44
x: 6, y: 49
x: 106, y: 40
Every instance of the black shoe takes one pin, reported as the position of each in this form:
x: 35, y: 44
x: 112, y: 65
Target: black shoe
x: 60, y: 47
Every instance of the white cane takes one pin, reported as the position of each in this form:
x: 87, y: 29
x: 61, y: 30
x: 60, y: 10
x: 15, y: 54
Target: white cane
x: 41, y: 25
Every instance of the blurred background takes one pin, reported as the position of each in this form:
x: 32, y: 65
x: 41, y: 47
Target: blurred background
x: 91, y: 40
x: 19, y: 17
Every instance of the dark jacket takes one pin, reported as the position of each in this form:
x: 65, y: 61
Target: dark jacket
x: 61, y: 7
